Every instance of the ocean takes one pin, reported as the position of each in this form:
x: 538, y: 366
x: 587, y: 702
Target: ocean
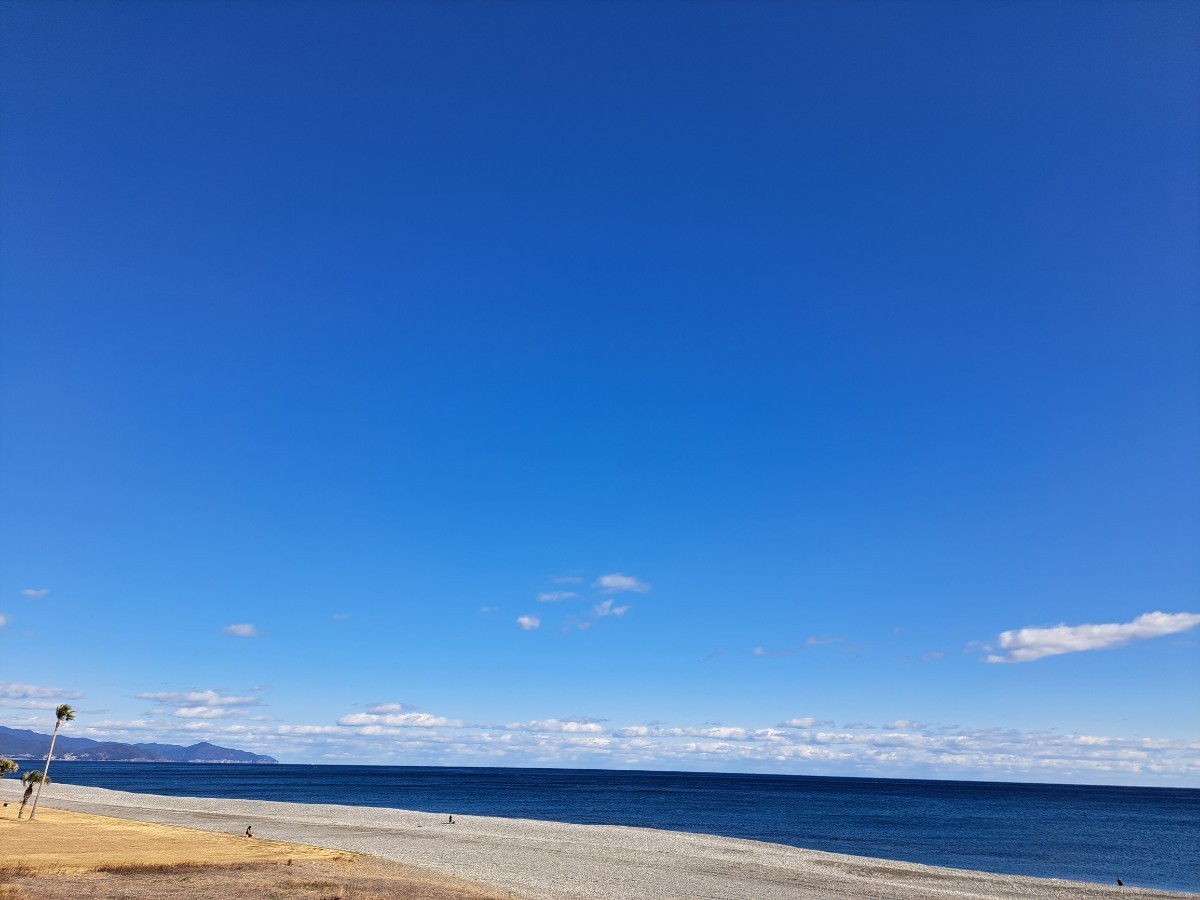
x: 1149, y: 837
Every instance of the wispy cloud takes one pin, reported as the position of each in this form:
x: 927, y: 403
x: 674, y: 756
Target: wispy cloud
x: 820, y: 640
x: 806, y: 722
x: 196, y: 698
x: 35, y: 593
x: 905, y: 750
x: 606, y: 608
x: 199, y: 704
x: 243, y: 631
x: 3, y: 620
x: 567, y: 579
x: 340, y: 617
x: 528, y: 623
x: 385, y: 708
x: 556, y: 596
x: 557, y: 726
x: 618, y: 583
x: 15, y: 690
x: 400, y: 720
x: 1028, y: 644
x: 763, y: 651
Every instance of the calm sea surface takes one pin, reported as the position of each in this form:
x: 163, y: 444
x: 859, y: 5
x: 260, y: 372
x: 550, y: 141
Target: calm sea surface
x: 1150, y: 837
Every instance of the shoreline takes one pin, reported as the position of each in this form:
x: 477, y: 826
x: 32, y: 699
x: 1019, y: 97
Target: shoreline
x: 541, y: 860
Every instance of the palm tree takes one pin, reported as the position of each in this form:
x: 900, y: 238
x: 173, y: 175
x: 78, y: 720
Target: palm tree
x: 6, y: 766
x: 29, y: 779
x: 63, y: 714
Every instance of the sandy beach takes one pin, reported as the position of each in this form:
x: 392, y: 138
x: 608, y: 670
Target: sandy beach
x: 554, y: 861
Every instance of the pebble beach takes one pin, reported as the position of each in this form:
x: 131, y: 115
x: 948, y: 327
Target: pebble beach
x: 553, y: 861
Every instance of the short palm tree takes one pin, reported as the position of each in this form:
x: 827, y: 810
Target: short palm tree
x: 63, y: 714
x: 6, y: 766
x: 29, y: 779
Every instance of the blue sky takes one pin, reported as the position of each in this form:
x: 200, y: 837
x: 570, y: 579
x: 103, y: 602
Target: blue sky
x: 658, y: 385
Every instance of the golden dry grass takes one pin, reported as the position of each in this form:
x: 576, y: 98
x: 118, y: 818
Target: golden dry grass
x: 65, y: 855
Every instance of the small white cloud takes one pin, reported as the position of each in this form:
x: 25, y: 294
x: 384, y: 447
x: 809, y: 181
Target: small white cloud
x: 1028, y: 644
x: 203, y: 712
x: 340, y: 617
x: 933, y: 656
x: 904, y: 725
x: 606, y: 608
x: 35, y: 593
x: 401, y: 720
x: 820, y: 640
x: 806, y: 722
x: 384, y: 708
x: 3, y: 620
x: 244, y: 631
x: 617, y: 583
x: 557, y: 726
x: 529, y: 623
x: 15, y: 690
x: 857, y: 726
x: 487, y: 610
x: 556, y: 596
x: 196, y: 699
x: 567, y: 579
x: 763, y: 651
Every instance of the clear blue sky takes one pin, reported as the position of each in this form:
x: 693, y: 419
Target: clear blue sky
x: 854, y: 336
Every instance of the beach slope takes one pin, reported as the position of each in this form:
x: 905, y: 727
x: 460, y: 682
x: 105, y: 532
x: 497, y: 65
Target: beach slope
x: 554, y: 861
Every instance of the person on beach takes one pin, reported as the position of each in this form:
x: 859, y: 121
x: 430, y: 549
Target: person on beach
x: 249, y: 831
x: 451, y: 822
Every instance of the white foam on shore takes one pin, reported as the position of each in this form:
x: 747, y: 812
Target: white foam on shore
x: 553, y: 860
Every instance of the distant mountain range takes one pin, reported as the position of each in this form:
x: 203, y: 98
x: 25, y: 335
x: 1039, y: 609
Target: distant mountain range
x: 20, y: 744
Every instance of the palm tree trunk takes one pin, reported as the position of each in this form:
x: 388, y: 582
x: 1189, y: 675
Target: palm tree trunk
x: 45, y: 771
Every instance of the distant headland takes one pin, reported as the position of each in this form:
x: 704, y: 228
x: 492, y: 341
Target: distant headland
x: 20, y: 744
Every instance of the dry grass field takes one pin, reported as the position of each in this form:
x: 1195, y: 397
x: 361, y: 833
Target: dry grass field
x: 65, y: 855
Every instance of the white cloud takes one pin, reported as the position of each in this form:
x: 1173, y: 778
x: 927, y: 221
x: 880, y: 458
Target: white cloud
x: 904, y: 725
x: 15, y: 690
x: 402, y: 720
x: 556, y: 596
x: 1028, y: 644
x: 820, y: 640
x: 529, y: 623
x: 340, y: 617
x: 606, y: 608
x: 567, y: 579
x: 763, y: 651
x: 3, y: 620
x: 565, y: 726
x: 929, y: 752
x: 204, y: 712
x: 383, y: 708
x: 243, y: 631
x: 617, y: 583
x: 806, y: 722
x: 35, y: 593
x: 195, y: 699
x: 489, y: 609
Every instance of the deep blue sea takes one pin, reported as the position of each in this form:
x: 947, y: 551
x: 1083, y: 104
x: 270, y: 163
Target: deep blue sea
x: 1150, y: 837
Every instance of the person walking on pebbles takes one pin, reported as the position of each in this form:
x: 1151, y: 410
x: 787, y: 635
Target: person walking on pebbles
x: 249, y: 831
